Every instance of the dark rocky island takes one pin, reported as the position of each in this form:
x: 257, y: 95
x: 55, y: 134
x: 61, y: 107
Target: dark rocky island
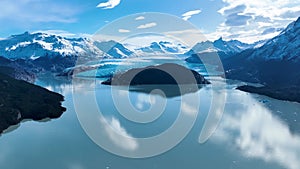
x: 165, y: 74
x: 172, y: 79
x: 21, y: 100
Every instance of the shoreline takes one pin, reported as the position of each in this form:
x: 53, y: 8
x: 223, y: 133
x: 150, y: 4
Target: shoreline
x: 291, y: 94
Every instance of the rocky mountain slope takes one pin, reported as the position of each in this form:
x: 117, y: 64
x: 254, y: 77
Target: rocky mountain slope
x: 276, y: 64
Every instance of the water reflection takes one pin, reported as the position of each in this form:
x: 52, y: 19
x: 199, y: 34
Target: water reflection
x: 214, y: 117
x: 144, y: 101
x: 168, y: 91
x: 189, y: 109
x: 118, y: 134
x: 248, y: 127
x: 257, y: 133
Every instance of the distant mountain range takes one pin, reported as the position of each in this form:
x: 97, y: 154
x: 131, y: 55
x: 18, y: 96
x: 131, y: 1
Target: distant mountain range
x: 39, y: 52
x: 160, y: 47
x: 31, y: 46
x: 224, y: 49
x: 36, y: 45
x: 228, y: 47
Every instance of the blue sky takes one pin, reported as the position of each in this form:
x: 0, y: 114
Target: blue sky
x: 244, y: 20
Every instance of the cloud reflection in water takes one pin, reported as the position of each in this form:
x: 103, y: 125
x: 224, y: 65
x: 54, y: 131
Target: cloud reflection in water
x: 258, y: 134
x: 118, y: 134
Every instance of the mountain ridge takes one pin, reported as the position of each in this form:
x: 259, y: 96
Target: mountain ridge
x: 35, y: 45
x: 275, y: 65
x: 228, y: 47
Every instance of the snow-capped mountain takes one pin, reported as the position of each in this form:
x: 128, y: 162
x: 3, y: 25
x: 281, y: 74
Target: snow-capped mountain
x: 33, y: 46
x: 115, y: 49
x: 285, y: 46
x: 42, y: 52
x: 276, y: 63
x: 220, y: 45
x: 224, y: 49
x: 160, y: 47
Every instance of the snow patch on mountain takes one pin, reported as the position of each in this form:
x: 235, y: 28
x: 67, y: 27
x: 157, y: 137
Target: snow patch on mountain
x: 282, y: 47
x: 113, y: 48
x: 14, y: 47
x: 45, y: 45
x: 120, y: 53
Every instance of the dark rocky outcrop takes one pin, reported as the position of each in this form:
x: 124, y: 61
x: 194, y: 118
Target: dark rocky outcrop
x: 291, y: 93
x: 21, y: 100
x: 165, y: 74
x: 172, y: 79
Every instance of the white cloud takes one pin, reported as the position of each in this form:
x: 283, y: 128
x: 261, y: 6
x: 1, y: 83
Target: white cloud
x: 252, y: 18
x: 189, y: 109
x: 118, y: 134
x: 144, y: 101
x: 267, y: 8
x: 109, y: 4
x: 252, y: 36
x: 124, y: 30
x: 143, y: 41
x: 189, y: 14
x: 186, y: 18
x: 248, y: 34
x: 140, y: 18
x: 148, y: 25
x: 105, y: 37
x: 85, y: 35
x: 188, y: 37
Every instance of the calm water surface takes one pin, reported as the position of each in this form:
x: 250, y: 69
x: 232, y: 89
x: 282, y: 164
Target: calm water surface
x: 255, y: 132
